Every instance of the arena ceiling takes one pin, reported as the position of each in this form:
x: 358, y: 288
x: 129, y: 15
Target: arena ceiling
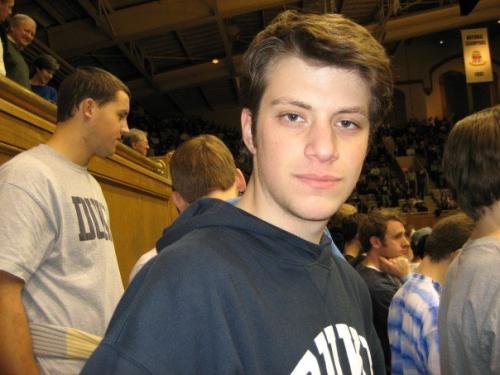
x: 163, y: 49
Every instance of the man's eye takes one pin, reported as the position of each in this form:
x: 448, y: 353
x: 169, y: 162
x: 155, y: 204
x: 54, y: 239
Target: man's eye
x: 347, y: 124
x: 292, y: 117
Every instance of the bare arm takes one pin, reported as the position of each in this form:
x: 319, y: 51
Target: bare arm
x: 16, y: 350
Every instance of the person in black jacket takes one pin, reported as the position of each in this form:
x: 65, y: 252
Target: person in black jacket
x: 384, y: 267
x: 254, y: 288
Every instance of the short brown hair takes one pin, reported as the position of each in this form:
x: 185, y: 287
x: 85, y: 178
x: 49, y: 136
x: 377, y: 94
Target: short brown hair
x: 201, y: 165
x: 448, y: 235
x: 375, y: 225
x: 471, y: 161
x: 87, y: 82
x: 44, y: 62
x: 325, y: 40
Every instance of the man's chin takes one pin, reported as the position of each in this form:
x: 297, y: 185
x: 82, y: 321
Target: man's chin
x: 106, y: 153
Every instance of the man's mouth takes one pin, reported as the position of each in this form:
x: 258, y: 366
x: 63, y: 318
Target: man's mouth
x: 319, y: 181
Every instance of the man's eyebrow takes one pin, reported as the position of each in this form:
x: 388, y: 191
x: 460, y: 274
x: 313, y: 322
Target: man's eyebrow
x: 358, y: 110
x: 285, y: 100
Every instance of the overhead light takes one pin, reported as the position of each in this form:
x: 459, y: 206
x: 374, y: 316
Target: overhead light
x: 215, y: 61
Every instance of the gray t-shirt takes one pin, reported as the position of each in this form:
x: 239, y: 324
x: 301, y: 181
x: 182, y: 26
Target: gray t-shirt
x: 469, y: 314
x: 54, y: 235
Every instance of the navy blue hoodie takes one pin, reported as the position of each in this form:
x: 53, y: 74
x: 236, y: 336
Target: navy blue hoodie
x: 230, y: 294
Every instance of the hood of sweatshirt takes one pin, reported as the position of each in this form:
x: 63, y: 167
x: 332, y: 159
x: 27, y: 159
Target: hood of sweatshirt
x: 214, y: 213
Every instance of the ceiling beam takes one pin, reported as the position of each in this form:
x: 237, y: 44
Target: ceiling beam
x: 47, y: 6
x: 410, y: 26
x: 130, y: 50
x: 228, y: 47
x: 162, y: 16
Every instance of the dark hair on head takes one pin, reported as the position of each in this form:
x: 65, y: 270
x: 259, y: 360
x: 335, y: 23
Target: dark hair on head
x: 351, y: 224
x: 323, y: 40
x: 44, y: 62
x: 83, y: 83
x: 471, y: 161
x: 375, y: 225
x: 448, y: 235
x: 418, y: 241
x: 200, y: 166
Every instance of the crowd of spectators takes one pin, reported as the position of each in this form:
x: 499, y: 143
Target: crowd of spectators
x: 168, y: 133
x: 424, y: 138
x: 383, y: 183
x: 16, y: 34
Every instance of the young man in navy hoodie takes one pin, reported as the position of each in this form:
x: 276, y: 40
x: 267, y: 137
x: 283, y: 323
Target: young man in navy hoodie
x: 254, y: 288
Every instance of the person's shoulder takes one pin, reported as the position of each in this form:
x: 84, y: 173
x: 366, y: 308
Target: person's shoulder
x: 27, y: 164
x: 203, y: 249
x: 368, y: 273
x: 350, y: 272
x: 482, y: 253
x: 353, y: 280
x: 418, y: 294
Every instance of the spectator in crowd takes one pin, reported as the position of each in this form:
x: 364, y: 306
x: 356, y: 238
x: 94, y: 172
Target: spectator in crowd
x: 201, y: 167
x: 59, y: 277
x: 138, y: 140
x: 5, y: 11
x: 386, y: 264
x: 350, y: 228
x: 43, y: 69
x: 334, y: 225
x: 413, y: 314
x: 22, y: 31
x: 226, y: 274
x: 418, y: 240
x: 469, y: 316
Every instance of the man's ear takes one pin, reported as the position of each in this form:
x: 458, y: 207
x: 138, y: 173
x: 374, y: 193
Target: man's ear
x: 179, y: 202
x: 246, y: 129
x: 87, y: 107
x: 375, y: 242
x: 241, y: 184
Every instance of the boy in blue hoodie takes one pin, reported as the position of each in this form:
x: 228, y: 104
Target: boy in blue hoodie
x: 254, y: 288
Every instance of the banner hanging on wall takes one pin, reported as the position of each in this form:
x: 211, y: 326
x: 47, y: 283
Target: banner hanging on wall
x: 477, y: 58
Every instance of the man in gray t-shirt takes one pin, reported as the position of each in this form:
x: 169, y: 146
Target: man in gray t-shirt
x: 59, y: 277
x: 469, y: 314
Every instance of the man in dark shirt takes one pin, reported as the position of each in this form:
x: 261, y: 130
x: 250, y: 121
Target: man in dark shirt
x: 384, y: 241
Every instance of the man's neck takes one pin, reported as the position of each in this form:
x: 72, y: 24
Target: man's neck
x: 258, y: 206
x: 488, y: 224
x: 224, y: 195
x: 435, y: 270
x: 70, y: 144
x: 371, y: 261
